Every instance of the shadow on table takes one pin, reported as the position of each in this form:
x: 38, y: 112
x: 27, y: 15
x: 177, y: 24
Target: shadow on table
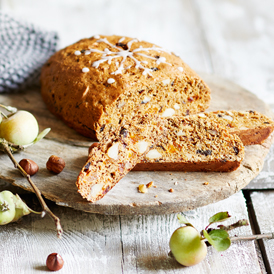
x: 161, y: 262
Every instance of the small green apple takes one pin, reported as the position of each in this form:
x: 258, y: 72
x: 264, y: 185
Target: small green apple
x: 7, y: 207
x: 20, y: 128
x: 187, y: 247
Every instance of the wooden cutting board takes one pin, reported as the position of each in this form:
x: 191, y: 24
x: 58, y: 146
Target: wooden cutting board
x: 189, y: 189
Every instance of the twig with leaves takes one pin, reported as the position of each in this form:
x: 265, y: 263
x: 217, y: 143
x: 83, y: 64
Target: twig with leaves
x: 188, y: 246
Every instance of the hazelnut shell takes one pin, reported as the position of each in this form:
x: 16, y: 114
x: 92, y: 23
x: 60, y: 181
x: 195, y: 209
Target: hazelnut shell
x: 54, y: 262
x: 55, y: 164
x: 29, y: 166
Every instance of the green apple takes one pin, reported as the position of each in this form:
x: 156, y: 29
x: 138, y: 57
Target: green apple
x: 7, y: 207
x: 20, y: 128
x: 187, y: 247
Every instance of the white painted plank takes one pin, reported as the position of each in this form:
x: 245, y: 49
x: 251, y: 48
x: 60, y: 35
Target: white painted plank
x: 240, y: 37
x: 90, y: 244
x: 263, y: 206
x: 145, y: 242
x: 95, y: 243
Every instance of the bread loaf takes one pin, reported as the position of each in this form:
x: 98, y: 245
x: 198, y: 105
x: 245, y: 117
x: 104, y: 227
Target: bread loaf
x: 96, y: 83
x: 190, y: 143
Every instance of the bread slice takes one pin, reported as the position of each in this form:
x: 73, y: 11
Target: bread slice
x: 250, y: 126
x: 97, y: 82
x: 199, y: 143
x: 117, y: 153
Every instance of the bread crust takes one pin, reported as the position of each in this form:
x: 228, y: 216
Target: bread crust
x: 210, y: 166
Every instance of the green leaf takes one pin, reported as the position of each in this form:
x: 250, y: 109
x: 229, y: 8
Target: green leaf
x: 39, y: 137
x: 219, y: 217
x: 218, y: 238
x: 182, y: 220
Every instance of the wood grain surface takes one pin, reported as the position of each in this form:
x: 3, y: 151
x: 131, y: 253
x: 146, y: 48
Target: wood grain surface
x: 189, y: 192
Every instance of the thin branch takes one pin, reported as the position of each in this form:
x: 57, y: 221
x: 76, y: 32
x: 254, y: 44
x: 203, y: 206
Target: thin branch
x: 9, y: 108
x: 240, y: 223
x: 253, y: 237
x: 46, y: 209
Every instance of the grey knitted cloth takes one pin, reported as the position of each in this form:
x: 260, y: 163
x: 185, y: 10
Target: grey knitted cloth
x: 24, y: 48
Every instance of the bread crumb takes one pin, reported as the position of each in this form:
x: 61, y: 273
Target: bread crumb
x: 175, y: 183
x: 206, y: 183
x: 142, y: 188
x: 150, y: 184
x: 155, y: 186
x: 155, y: 196
x: 171, y: 190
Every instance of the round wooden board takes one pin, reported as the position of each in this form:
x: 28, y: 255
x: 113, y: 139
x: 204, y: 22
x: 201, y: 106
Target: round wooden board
x: 189, y: 190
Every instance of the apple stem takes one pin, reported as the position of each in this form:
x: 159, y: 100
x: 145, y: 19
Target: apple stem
x: 7, y: 150
x: 3, y: 114
x: 254, y: 237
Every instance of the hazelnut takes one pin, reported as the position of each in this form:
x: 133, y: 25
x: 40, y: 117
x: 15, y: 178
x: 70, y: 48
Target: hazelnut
x: 55, y: 164
x: 113, y: 151
x: 29, y: 166
x: 153, y: 154
x: 54, y: 262
x: 142, y: 146
x: 168, y: 112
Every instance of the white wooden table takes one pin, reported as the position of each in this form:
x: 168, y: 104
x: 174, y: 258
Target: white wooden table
x: 232, y: 39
